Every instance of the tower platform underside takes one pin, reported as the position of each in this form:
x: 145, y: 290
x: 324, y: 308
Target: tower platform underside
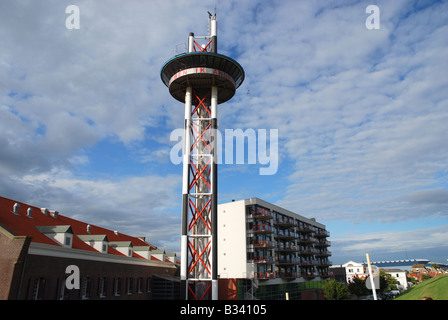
x: 201, y: 70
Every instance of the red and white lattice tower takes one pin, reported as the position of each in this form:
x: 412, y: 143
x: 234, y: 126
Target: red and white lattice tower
x: 201, y: 79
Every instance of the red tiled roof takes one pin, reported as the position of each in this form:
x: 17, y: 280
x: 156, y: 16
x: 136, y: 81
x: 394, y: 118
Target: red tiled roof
x: 22, y: 225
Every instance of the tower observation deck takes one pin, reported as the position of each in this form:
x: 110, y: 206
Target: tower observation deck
x: 201, y: 79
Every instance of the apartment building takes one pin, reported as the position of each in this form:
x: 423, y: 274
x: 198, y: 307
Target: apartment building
x: 270, y: 245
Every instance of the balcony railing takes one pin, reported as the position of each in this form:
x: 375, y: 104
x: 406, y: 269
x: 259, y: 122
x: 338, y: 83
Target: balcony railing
x: 287, y: 246
x: 264, y: 275
x: 288, y: 274
x: 322, y: 243
x: 286, y: 260
x: 286, y: 234
x: 305, y: 229
x: 263, y: 244
x: 323, y: 253
x: 323, y: 263
x: 307, y: 263
x: 285, y: 221
x: 321, y: 233
x: 264, y: 259
x: 308, y: 251
x: 262, y: 228
x: 262, y: 213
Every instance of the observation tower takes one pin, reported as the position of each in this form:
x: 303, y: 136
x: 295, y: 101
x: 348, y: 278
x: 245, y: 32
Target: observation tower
x: 201, y: 79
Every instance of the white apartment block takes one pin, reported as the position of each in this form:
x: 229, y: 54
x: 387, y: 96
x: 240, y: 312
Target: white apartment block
x: 261, y: 241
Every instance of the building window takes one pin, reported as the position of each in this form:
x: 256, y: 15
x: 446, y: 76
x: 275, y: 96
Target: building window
x: 139, y: 285
x: 129, y: 285
x: 102, y: 287
x: 38, y: 289
x: 117, y: 286
x: 67, y: 241
x: 85, y: 288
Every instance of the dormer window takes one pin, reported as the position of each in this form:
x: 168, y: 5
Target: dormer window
x: 97, y: 241
x: 63, y: 235
x: 125, y: 247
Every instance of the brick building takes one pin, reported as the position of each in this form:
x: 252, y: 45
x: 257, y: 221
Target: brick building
x: 37, y: 245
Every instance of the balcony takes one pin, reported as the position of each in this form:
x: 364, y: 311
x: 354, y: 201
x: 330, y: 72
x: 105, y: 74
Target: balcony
x: 323, y: 263
x: 306, y: 239
x: 288, y: 274
x: 287, y: 246
x: 264, y: 244
x: 264, y: 260
x: 322, y: 243
x: 264, y: 275
x: 321, y: 233
x: 287, y: 261
x: 284, y: 221
x: 260, y: 213
x: 323, y: 253
x: 310, y: 275
x: 262, y: 228
x: 306, y: 263
x: 308, y: 251
x: 305, y: 229
x: 286, y: 234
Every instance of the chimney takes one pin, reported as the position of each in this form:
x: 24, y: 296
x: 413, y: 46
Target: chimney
x: 15, y: 208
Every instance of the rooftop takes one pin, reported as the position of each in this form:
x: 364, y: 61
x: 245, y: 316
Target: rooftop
x: 21, y: 219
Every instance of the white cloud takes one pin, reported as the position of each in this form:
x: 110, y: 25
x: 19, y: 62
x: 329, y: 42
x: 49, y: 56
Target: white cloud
x: 361, y: 113
x: 393, y: 241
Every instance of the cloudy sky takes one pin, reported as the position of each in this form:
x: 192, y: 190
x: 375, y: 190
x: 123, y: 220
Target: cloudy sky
x: 362, y: 115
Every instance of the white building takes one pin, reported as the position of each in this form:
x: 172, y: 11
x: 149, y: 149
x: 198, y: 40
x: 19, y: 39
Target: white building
x: 353, y: 270
x: 261, y: 241
x: 400, y: 276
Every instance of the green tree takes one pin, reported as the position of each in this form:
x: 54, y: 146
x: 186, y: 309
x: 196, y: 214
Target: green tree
x: 387, y: 282
x: 425, y: 277
x: 335, y: 290
x: 358, y: 287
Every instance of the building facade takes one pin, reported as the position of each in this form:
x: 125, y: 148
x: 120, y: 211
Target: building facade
x: 47, y: 256
x: 400, y: 276
x: 270, y: 245
x: 354, y: 270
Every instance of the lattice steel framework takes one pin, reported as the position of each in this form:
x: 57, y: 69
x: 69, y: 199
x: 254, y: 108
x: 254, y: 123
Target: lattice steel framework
x: 201, y: 79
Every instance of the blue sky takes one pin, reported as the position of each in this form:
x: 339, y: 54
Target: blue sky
x: 362, y: 115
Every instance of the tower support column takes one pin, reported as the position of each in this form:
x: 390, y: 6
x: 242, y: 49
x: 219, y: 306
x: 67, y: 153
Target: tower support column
x: 185, y: 197
x: 214, y: 180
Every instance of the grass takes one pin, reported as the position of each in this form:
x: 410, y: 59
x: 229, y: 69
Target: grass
x: 435, y: 288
